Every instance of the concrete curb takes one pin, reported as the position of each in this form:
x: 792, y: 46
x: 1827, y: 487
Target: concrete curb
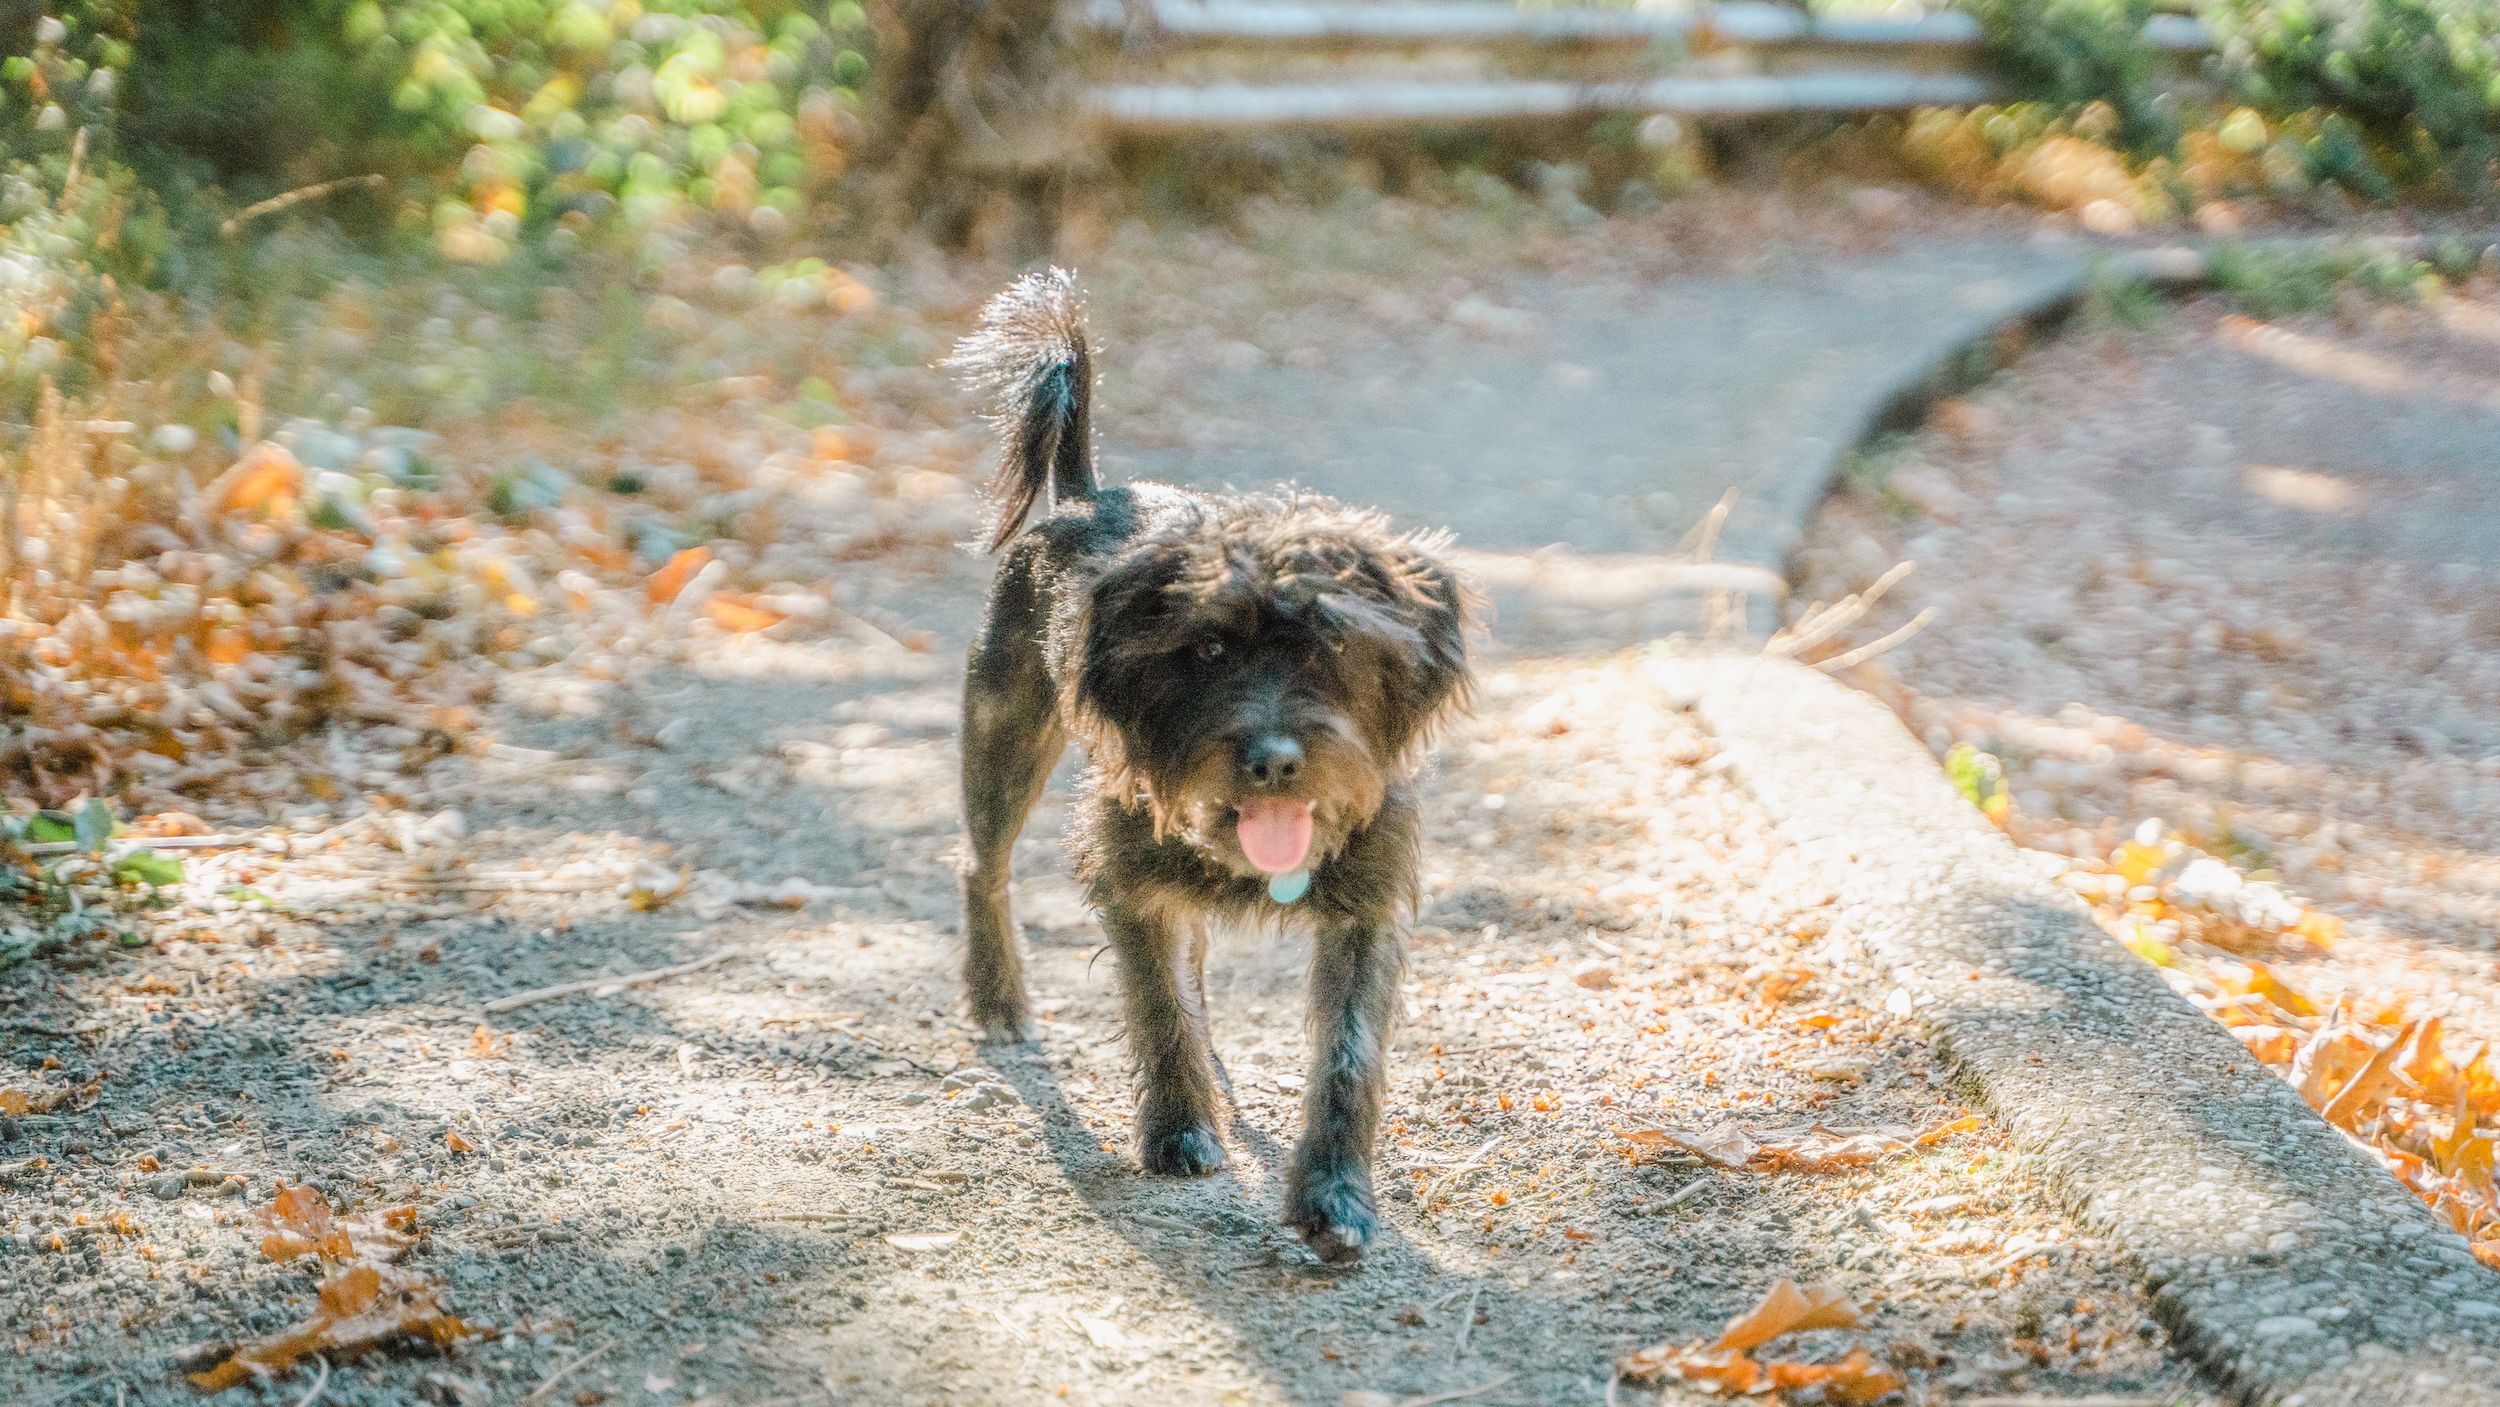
x: 2282, y: 1258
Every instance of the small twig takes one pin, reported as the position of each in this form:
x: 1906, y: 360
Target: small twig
x: 831, y: 1217
x: 561, y: 1371
x: 235, y: 222
x: 1822, y: 622
x: 1872, y: 648
x: 1705, y: 535
x: 496, y: 881
x: 592, y: 984
x: 1684, y: 1194
x: 1466, y: 1323
x: 126, y: 844
x: 313, y: 1394
x: 1454, y: 1394
x: 1472, y: 1161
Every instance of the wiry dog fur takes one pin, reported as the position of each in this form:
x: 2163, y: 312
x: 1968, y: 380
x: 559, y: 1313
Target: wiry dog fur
x: 1203, y: 650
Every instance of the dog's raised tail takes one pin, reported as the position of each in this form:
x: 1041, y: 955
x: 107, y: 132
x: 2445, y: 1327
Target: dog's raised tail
x: 1029, y: 356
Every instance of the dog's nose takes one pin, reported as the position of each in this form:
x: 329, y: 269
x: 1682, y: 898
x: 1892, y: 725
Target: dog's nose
x: 1272, y: 761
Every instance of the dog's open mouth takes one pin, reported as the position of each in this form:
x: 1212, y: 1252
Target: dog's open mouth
x: 1275, y: 832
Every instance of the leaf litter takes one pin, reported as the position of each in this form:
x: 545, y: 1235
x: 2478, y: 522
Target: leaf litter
x: 366, y: 1300
x: 1728, y: 1364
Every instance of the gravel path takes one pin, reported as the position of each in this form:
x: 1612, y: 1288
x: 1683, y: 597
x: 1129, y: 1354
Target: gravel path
x: 786, y: 1178
x: 709, y: 1175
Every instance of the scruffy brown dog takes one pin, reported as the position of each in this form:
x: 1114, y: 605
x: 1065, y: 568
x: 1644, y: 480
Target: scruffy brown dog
x: 1253, y: 680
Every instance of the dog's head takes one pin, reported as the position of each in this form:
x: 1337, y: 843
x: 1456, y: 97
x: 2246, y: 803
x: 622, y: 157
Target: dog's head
x: 1260, y: 676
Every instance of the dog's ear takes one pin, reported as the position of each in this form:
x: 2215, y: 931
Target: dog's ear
x: 1411, y: 614
x: 1128, y: 619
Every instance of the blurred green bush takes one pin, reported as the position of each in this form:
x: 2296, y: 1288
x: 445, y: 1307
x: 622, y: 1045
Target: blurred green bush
x: 489, y: 119
x: 2388, y: 94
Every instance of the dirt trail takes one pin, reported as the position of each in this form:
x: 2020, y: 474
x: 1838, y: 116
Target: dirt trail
x: 791, y: 1178
x: 705, y: 1175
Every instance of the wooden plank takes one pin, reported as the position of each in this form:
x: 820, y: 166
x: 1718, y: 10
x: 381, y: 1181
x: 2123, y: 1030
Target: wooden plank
x: 1148, y: 108
x: 1489, y: 21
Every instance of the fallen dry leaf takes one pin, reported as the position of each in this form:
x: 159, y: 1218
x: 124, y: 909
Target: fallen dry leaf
x: 1852, y: 1382
x: 362, y: 1307
x: 740, y: 614
x: 301, y: 1223
x: 672, y: 577
x: 1728, y: 1367
x: 364, y: 1303
x: 1785, y: 1309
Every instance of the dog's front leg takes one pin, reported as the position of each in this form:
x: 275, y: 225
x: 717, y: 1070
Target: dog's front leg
x: 1167, y: 1034
x: 1328, y: 1187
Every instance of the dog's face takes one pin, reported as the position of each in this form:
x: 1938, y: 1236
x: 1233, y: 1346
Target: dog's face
x: 1261, y: 677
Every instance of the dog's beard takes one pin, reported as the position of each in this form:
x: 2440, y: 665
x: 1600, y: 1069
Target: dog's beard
x: 1199, y: 801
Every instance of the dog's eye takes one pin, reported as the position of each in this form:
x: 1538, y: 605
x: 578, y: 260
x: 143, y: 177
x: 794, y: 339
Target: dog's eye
x: 1209, y: 651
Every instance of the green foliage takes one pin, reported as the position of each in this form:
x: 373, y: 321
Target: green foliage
x: 2279, y: 282
x: 490, y: 119
x: 2420, y: 77
x: 2083, y: 51
x: 2381, y: 94
x: 1978, y: 776
x: 51, y: 902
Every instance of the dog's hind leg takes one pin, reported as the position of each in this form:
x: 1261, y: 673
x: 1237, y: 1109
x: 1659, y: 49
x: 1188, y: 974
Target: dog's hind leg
x: 1011, y: 740
x: 1164, y: 986
x: 1328, y: 1184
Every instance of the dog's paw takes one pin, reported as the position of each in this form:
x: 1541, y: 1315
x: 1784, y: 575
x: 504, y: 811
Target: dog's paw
x: 1334, y: 1215
x: 1007, y: 1030
x: 1004, y: 1023
x: 1188, y: 1151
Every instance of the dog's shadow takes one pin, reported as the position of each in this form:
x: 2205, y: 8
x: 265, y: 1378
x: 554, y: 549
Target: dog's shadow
x: 1237, y: 1249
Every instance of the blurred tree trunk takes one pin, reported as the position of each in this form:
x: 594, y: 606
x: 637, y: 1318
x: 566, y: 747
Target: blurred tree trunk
x: 971, y: 137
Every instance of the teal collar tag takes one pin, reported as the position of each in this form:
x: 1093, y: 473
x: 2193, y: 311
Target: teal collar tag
x: 1286, y: 888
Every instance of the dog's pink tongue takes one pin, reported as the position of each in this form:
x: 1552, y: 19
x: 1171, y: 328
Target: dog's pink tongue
x: 1276, y: 833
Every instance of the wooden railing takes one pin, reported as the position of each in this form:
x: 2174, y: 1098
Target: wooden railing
x: 1178, y: 66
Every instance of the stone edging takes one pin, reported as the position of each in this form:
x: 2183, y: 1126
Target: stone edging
x: 2284, y: 1260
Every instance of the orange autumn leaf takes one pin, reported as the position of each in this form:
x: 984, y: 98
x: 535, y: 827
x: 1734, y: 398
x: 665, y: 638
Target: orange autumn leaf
x: 740, y: 614
x: 2488, y: 1252
x: 2464, y: 1155
x: 1729, y: 1372
x: 2136, y: 862
x: 2259, y: 980
x: 671, y: 579
x: 266, y: 479
x: 361, y: 1307
x: 457, y: 1144
x: 2481, y: 1084
x: 2323, y: 931
x: 1785, y: 1309
x: 301, y: 1223
x: 2272, y: 1045
x: 1777, y: 986
x: 1966, y: 1124
x: 16, y: 1101
x: 1851, y: 1382
x: 2354, y: 1101
x: 1727, y: 1367
x: 226, y: 646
